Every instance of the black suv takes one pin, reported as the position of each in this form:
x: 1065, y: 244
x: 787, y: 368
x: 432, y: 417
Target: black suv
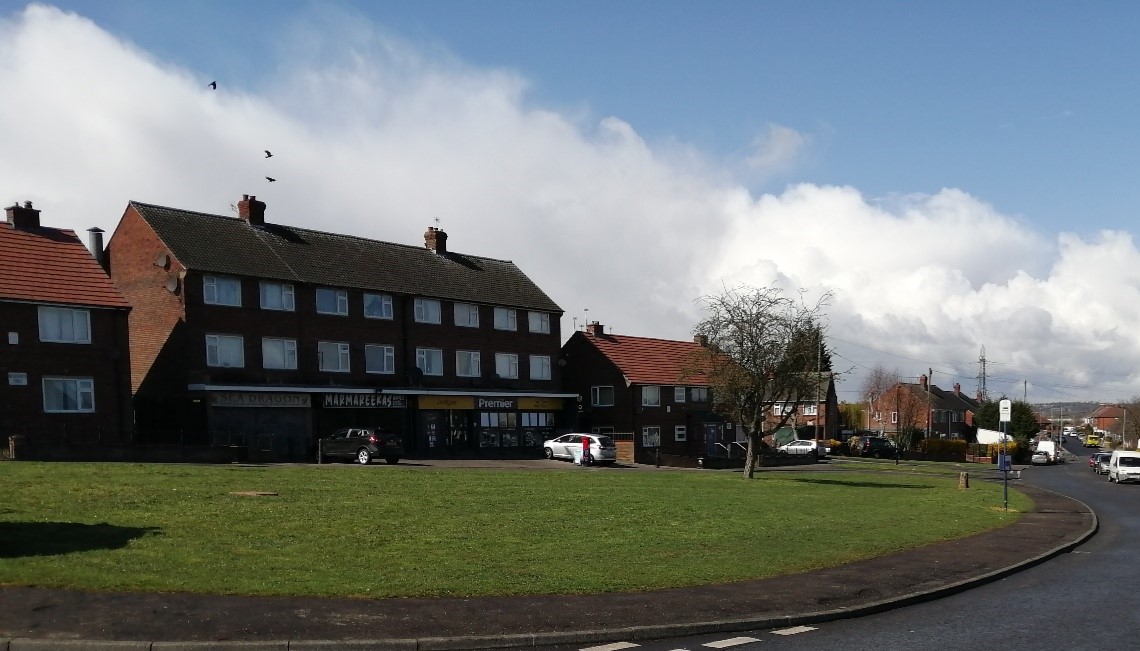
x: 878, y: 447
x: 361, y: 444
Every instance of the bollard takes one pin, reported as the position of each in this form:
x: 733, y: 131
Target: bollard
x: 963, y: 481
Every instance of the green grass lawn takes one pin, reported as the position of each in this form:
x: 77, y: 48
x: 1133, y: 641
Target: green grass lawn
x: 397, y: 531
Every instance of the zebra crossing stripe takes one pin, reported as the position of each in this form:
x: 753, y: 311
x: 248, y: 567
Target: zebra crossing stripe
x: 616, y: 646
x: 732, y: 641
x: 793, y: 630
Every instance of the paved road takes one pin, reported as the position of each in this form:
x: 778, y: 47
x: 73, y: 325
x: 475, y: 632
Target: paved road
x: 1086, y: 599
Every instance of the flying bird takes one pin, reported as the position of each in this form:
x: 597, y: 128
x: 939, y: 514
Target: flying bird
x: 268, y: 154
x: 270, y: 179
x: 213, y: 85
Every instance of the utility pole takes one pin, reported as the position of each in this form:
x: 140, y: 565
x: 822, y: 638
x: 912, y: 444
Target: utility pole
x: 982, y: 374
x: 818, y: 371
x: 929, y: 415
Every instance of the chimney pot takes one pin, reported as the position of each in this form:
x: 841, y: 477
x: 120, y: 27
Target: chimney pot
x: 595, y: 329
x: 251, y: 210
x: 23, y: 217
x: 95, y: 245
x: 435, y: 240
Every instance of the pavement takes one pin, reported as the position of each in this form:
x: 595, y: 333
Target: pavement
x: 38, y: 619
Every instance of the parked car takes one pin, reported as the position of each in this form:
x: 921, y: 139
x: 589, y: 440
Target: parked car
x: 1092, y: 441
x: 805, y: 446
x: 361, y: 444
x: 1092, y: 460
x: 1123, y: 466
x: 569, y: 446
x: 877, y: 447
x: 1040, y: 459
x: 1101, y: 464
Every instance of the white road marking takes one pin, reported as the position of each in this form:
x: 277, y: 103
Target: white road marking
x: 732, y: 641
x: 616, y: 646
x: 793, y: 630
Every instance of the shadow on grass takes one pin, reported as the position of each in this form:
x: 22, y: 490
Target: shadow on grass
x: 53, y: 538
x: 859, y: 484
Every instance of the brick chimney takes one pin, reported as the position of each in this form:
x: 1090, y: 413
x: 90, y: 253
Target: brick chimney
x: 435, y: 240
x: 701, y: 340
x: 594, y: 329
x: 957, y: 389
x: 23, y: 217
x: 251, y: 210
x: 922, y: 381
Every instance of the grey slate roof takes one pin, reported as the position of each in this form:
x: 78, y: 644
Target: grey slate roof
x: 228, y: 245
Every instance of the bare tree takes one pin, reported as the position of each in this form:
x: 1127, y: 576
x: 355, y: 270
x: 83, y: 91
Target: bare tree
x: 877, y: 383
x: 763, y: 348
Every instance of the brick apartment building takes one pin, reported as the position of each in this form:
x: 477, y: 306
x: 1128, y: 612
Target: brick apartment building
x: 254, y: 334
x: 640, y: 385
x: 64, y: 354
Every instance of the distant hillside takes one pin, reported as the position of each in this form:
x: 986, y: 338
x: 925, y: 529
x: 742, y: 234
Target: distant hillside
x: 1071, y: 410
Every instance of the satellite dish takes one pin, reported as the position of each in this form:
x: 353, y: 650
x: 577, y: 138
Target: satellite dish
x: 172, y: 284
x: 162, y: 260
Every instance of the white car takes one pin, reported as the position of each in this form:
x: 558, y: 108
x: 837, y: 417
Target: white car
x: 1124, y: 466
x: 804, y: 446
x: 569, y: 446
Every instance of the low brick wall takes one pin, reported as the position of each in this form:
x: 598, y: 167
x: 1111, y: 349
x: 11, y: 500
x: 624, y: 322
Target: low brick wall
x: 41, y: 451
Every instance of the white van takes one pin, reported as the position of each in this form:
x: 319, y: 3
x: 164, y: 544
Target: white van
x: 1124, y: 466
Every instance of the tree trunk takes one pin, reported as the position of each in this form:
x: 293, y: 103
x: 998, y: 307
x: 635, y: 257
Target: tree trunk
x: 753, y: 453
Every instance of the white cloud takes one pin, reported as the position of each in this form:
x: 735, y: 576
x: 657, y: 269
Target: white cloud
x: 378, y: 137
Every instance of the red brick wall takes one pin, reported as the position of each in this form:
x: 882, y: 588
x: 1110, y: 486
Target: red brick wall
x: 105, y: 360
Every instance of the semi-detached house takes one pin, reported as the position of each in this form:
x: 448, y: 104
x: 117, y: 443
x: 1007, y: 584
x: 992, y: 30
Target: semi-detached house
x: 266, y: 336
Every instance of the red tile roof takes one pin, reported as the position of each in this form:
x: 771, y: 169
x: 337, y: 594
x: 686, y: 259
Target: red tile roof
x: 51, y: 265
x: 1107, y: 411
x: 649, y: 361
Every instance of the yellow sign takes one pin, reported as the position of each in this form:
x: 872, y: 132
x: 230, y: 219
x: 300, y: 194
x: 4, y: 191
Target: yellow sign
x: 446, y: 402
x: 540, y: 403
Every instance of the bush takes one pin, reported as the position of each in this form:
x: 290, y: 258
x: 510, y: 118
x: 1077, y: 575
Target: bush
x: 994, y: 449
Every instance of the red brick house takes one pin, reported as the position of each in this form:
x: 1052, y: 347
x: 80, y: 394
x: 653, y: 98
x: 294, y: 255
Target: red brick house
x: 924, y: 408
x: 265, y: 336
x: 1108, y: 418
x: 639, y: 385
x: 814, y: 417
x: 64, y: 354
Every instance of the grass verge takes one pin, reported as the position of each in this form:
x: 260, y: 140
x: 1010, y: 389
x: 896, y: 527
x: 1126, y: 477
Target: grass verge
x: 403, y: 532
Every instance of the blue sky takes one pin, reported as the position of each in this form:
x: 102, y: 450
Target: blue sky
x: 957, y: 174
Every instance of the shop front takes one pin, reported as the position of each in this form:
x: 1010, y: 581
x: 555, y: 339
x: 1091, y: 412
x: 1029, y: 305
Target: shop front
x: 492, y: 426
x: 270, y: 426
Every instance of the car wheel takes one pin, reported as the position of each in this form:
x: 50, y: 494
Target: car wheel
x: 548, y: 453
x: 363, y: 457
x: 876, y: 454
x: 391, y: 461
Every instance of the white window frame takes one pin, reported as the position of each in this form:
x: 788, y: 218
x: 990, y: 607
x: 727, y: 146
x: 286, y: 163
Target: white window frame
x: 811, y: 410
x: 679, y: 394
x: 468, y: 363
x: 506, y: 318
x: 597, y: 393
x: 387, y: 359
x: 540, y: 367
x: 79, y: 391
x: 466, y: 315
x: 64, y: 325
x: 340, y: 296
x: 507, y: 366
x: 539, y: 322
x: 651, y: 437
x: 385, y: 303
x: 285, y: 300
x: 680, y: 433
x: 334, y: 350
x: 427, y: 310
x: 277, y: 347
x: 211, y: 294
x: 894, y: 417
x: 220, y: 351
x: 650, y: 395
x: 427, y: 359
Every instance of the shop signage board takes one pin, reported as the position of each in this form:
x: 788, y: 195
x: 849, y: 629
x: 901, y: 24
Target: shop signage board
x: 239, y: 399
x: 367, y: 400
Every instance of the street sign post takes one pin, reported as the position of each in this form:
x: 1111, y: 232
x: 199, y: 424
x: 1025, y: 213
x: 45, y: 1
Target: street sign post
x: 1005, y: 409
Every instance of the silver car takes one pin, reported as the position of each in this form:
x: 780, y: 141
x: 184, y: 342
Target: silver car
x: 569, y: 446
x: 805, y: 446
